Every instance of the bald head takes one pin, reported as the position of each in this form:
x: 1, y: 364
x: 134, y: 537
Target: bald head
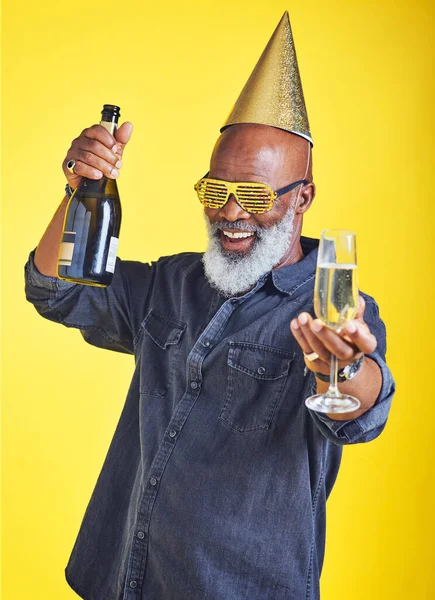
x: 251, y: 152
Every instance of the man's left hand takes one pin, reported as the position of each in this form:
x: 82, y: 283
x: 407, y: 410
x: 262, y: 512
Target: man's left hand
x: 347, y: 345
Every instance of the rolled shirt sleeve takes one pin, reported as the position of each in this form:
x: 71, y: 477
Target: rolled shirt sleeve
x: 369, y: 425
x: 104, y: 316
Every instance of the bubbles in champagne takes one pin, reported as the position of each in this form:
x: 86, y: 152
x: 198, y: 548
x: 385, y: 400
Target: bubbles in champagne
x: 336, y: 293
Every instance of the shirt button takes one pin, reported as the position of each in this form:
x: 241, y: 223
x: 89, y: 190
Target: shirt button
x: 206, y: 344
x: 172, y: 433
x: 261, y: 370
x: 140, y: 535
x: 133, y: 584
x: 153, y: 481
x: 193, y: 385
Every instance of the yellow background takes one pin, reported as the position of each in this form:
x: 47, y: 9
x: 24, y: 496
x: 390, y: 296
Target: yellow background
x: 176, y: 68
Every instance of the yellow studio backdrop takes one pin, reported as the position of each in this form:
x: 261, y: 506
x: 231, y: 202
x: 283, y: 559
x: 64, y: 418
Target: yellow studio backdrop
x: 176, y: 69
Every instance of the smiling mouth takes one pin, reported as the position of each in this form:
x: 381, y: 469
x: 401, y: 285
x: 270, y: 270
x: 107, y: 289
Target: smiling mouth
x: 236, y: 240
x: 234, y: 235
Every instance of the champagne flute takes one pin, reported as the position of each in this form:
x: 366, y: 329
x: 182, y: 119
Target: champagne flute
x: 335, y: 303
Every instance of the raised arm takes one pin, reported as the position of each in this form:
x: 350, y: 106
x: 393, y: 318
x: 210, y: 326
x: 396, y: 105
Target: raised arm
x: 107, y: 317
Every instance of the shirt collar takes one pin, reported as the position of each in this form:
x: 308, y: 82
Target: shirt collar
x: 289, y: 279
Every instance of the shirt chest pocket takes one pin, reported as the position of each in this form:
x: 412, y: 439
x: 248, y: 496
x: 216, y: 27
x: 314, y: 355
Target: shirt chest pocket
x: 160, y: 347
x: 256, y: 379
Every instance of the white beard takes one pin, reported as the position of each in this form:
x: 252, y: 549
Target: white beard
x: 233, y: 273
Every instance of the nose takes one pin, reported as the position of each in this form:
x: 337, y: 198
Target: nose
x: 232, y: 211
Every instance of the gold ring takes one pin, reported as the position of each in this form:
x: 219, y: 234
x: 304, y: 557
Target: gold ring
x: 311, y: 356
x: 70, y: 166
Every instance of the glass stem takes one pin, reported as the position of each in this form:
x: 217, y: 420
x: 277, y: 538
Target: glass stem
x: 333, y: 386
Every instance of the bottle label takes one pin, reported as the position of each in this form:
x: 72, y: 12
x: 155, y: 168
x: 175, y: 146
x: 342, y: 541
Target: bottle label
x: 66, y: 248
x: 111, y: 259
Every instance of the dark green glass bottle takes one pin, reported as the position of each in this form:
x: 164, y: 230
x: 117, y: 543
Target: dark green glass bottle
x: 92, y: 223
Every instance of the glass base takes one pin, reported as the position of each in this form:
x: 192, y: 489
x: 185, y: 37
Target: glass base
x: 331, y: 404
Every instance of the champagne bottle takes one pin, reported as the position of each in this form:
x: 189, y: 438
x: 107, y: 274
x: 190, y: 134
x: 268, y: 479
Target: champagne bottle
x: 89, y: 243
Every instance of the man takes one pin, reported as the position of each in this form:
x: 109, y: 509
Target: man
x: 215, y: 483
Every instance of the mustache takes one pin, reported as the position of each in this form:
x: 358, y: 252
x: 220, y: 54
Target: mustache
x: 240, y: 225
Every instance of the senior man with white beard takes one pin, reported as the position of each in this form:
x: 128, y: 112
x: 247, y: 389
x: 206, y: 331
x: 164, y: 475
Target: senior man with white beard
x: 216, y: 479
x: 257, y: 153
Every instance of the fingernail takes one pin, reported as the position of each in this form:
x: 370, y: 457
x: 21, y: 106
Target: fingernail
x: 118, y: 165
x: 295, y: 324
x: 114, y: 173
x: 317, y: 325
x: 303, y: 319
x: 350, y: 327
x: 115, y: 149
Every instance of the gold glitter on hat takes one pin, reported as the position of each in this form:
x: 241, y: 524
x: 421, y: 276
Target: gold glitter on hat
x: 273, y: 93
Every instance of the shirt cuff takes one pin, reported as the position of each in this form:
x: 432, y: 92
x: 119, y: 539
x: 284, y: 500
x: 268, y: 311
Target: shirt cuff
x: 369, y: 425
x: 37, y: 279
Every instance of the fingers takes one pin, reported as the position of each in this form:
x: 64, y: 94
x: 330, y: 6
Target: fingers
x: 300, y: 338
x: 304, y: 322
x: 98, y: 149
x: 83, y: 170
x: 97, y: 153
x: 100, y: 133
x: 94, y: 156
x: 332, y: 342
x: 314, y: 336
x: 298, y: 327
x: 360, y: 336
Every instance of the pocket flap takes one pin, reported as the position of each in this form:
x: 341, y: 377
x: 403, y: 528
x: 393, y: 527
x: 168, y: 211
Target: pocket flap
x: 162, y: 330
x: 262, y: 362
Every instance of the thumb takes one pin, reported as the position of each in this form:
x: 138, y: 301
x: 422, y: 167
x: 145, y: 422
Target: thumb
x: 122, y: 136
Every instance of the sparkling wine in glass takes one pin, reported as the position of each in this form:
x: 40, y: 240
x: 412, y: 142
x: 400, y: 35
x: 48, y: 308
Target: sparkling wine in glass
x: 335, y: 303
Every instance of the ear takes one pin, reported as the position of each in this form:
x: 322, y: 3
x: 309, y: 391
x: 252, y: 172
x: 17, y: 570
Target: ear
x: 305, y: 198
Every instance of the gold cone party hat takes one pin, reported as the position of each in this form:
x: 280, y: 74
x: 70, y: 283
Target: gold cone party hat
x: 273, y: 93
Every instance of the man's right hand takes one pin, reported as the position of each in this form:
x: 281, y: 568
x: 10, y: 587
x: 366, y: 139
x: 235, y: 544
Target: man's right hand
x: 97, y: 153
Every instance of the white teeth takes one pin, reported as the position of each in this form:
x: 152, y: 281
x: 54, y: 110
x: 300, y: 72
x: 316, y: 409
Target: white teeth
x: 239, y: 234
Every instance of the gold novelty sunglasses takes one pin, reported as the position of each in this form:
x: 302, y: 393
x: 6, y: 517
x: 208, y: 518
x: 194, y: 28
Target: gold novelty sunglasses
x: 254, y: 198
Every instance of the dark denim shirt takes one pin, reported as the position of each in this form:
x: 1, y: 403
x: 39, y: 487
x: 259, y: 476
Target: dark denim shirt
x: 215, y: 483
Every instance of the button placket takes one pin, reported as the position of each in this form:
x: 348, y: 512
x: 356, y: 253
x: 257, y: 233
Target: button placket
x: 140, y: 548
